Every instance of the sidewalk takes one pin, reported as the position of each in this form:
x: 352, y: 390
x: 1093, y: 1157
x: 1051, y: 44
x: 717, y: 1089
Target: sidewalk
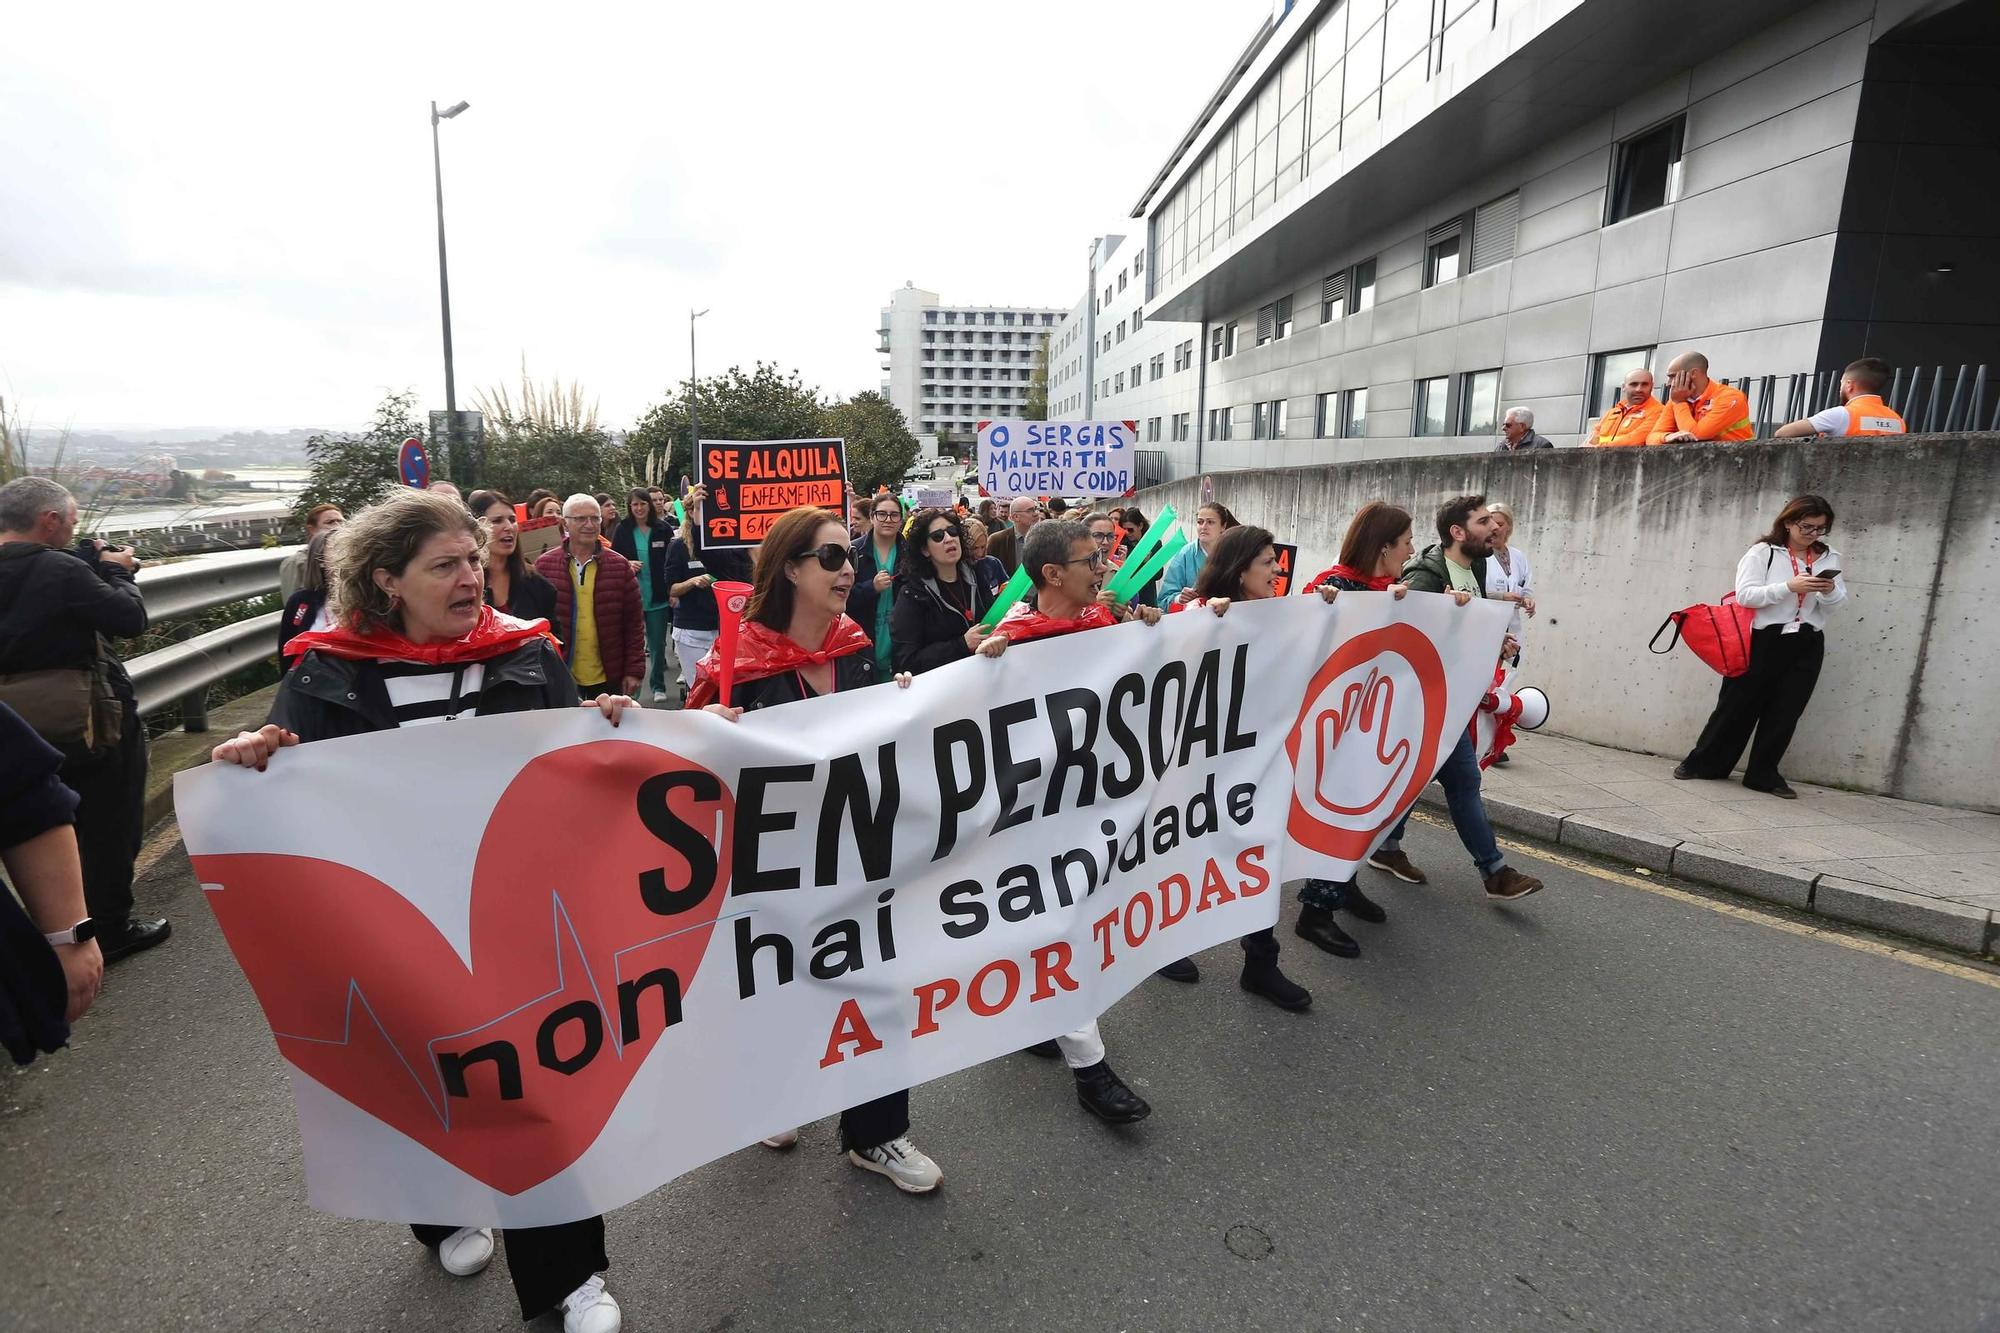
x: 1930, y: 872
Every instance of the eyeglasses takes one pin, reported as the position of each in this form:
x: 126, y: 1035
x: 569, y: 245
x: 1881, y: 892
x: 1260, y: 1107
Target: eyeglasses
x: 948, y: 530
x: 830, y: 556
x: 583, y: 520
x: 1095, y: 560
x: 888, y: 513
x: 1811, y: 529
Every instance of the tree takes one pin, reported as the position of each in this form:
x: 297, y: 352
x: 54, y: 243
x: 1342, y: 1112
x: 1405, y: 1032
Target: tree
x: 764, y: 404
x: 1037, y: 407
x: 880, y: 447
x: 549, y: 437
x: 355, y: 470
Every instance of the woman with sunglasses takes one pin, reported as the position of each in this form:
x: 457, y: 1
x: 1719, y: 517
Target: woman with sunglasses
x: 798, y: 643
x: 939, y: 599
x: 1787, y: 645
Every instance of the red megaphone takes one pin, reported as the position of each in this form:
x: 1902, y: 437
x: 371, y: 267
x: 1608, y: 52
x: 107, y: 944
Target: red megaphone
x: 730, y: 601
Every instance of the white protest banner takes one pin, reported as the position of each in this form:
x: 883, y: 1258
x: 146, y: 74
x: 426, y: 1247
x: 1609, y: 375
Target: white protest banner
x: 526, y: 968
x: 1097, y: 459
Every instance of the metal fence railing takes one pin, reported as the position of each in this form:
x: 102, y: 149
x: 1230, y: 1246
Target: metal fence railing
x: 182, y: 672
x: 1928, y: 400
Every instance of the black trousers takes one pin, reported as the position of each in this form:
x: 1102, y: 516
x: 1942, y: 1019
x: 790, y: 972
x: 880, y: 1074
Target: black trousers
x: 546, y: 1263
x: 872, y: 1124
x: 1768, y: 699
x: 110, y: 821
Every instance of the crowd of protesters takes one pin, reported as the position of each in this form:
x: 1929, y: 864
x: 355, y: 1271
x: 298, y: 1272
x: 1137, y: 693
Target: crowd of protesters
x: 425, y: 608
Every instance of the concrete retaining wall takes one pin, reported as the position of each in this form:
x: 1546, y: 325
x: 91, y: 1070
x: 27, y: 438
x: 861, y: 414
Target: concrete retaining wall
x: 1908, y: 704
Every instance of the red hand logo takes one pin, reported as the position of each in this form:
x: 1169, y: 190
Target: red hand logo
x: 580, y: 951
x: 1363, y: 689
x: 1365, y: 705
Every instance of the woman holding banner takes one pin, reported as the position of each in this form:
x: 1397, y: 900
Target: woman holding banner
x: 797, y: 642
x: 1244, y: 568
x: 939, y: 599
x: 1372, y: 555
x: 412, y: 643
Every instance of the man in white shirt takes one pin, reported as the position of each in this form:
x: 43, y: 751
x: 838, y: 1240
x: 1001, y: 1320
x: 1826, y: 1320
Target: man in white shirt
x: 1862, y: 411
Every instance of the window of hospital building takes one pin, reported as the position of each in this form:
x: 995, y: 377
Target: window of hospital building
x: 1647, y: 173
x: 1432, y: 406
x: 1479, y: 402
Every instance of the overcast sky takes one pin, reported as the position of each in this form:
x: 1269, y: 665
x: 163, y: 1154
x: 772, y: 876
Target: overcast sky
x: 223, y: 217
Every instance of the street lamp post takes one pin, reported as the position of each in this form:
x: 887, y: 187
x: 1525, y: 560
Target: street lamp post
x: 444, y: 294
x: 694, y: 415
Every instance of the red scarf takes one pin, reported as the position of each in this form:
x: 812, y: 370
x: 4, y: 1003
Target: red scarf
x: 762, y: 651
x: 1349, y: 574
x: 495, y: 633
x: 1021, y: 624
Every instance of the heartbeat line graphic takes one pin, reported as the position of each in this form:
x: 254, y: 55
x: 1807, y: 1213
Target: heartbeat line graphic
x: 432, y: 1088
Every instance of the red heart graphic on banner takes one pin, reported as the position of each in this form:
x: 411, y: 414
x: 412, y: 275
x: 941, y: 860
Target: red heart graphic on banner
x: 594, y: 894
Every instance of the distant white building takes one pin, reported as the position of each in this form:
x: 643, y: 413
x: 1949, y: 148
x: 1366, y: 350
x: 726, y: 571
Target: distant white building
x: 947, y: 368
x: 1108, y: 362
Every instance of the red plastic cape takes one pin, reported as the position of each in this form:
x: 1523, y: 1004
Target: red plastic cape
x: 1021, y: 624
x: 495, y: 633
x: 762, y: 651
x: 1372, y: 582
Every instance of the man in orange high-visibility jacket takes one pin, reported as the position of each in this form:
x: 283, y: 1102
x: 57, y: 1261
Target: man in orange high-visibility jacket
x: 1633, y: 418
x: 1699, y: 408
x: 1862, y: 412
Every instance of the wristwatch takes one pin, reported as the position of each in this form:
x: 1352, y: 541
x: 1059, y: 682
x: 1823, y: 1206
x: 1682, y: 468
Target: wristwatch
x: 80, y: 933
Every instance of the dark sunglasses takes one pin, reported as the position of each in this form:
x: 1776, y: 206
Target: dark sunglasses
x: 948, y: 530
x: 830, y: 556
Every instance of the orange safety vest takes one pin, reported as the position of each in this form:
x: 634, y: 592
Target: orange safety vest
x: 1721, y: 413
x: 1867, y: 414
x: 1626, y: 425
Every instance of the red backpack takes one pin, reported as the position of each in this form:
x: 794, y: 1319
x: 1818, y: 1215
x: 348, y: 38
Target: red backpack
x: 1718, y: 634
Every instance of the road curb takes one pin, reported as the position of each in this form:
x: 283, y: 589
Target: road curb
x: 1956, y: 926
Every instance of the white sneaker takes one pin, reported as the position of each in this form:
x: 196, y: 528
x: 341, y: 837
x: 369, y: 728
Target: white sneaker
x: 903, y: 1162
x: 783, y: 1139
x: 590, y: 1309
x: 466, y: 1251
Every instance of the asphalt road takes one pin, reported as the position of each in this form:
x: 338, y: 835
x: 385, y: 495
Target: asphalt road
x: 1602, y: 1108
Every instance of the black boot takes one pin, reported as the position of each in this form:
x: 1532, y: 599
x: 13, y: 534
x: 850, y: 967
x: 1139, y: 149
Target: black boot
x: 1184, y: 970
x: 1262, y: 977
x: 1048, y: 1050
x: 1316, y: 924
x: 1363, y: 907
x: 1105, y: 1095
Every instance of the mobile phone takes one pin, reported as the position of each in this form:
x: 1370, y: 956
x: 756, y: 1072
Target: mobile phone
x: 1826, y: 573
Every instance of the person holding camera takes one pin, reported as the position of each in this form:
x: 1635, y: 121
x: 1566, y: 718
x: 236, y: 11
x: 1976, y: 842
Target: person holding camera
x: 57, y: 605
x: 1787, y: 645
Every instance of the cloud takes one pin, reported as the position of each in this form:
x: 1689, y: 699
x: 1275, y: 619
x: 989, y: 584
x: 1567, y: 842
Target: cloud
x: 230, y: 218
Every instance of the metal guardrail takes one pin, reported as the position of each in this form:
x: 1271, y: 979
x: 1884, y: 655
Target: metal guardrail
x: 182, y: 672
x: 1928, y: 401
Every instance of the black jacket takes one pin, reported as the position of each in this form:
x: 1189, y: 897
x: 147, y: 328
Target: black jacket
x: 33, y: 994
x: 54, y: 604
x: 327, y: 696
x: 862, y: 598
x: 301, y: 609
x: 853, y: 672
x: 697, y: 609
x: 627, y: 545
x: 926, y: 628
x: 529, y: 597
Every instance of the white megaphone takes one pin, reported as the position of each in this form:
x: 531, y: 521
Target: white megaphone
x: 1503, y: 712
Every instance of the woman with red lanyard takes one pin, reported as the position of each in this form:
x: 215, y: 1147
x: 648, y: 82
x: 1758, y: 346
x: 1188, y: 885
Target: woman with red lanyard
x: 797, y: 642
x: 939, y: 600
x: 1787, y: 646
x: 412, y: 643
x: 1243, y: 567
x: 1372, y: 554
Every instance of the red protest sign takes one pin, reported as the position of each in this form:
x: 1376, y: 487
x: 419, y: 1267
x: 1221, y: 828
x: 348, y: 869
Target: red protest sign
x: 752, y: 483
x: 1288, y: 559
